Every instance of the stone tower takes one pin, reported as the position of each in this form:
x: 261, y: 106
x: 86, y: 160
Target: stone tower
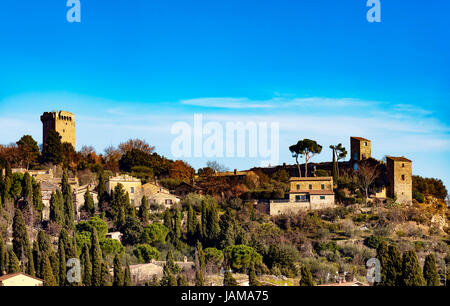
x: 360, y: 148
x: 399, y: 174
x: 60, y: 121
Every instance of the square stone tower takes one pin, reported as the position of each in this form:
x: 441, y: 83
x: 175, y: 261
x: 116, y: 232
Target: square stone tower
x: 60, y: 121
x: 360, y: 148
x: 399, y: 174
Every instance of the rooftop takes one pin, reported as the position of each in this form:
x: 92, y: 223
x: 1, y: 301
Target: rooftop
x: 313, y: 178
x: 401, y: 158
x: 8, y: 276
x: 359, y: 138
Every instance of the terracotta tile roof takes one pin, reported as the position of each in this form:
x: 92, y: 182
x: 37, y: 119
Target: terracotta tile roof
x: 344, y: 284
x: 359, y: 138
x: 8, y: 276
x: 314, y: 192
x: 313, y: 178
x: 401, y: 158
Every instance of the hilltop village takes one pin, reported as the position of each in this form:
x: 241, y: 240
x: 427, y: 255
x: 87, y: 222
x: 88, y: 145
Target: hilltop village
x: 134, y: 217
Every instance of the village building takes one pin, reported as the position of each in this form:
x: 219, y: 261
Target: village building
x: 114, y: 235
x: 78, y: 194
x: 399, y: 174
x: 20, y: 279
x: 131, y: 185
x: 155, y: 194
x: 306, y: 193
x: 163, y: 199
x: 184, y: 189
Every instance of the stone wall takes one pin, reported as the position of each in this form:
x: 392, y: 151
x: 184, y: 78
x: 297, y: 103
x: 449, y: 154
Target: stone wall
x: 280, y: 207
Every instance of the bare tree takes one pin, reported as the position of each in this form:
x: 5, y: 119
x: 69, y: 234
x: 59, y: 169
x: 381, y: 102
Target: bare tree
x: 366, y: 175
x: 138, y: 144
x: 216, y: 166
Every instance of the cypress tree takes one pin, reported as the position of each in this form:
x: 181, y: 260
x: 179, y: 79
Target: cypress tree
x: 430, y: 271
x: 36, y: 257
x: 394, y: 269
x: 213, y: 228
x: 168, y: 219
x: 204, y: 223
x: 127, y: 276
x: 143, y: 210
x: 335, y: 166
x: 57, y: 208
x: 37, y: 199
x: 411, y: 271
x: 62, y: 264
x: 182, y: 281
x: 86, y: 265
x: 177, y: 225
x: 101, y: 189
x: 118, y: 272
x: 105, y: 276
x: 191, y: 224
x: 89, y: 202
x: 306, y: 279
x: 68, y: 202
x: 228, y: 279
x: 3, y: 255
x: 30, y: 270
x: 46, y: 272
x: 199, y: 281
x: 96, y: 255
x: 14, y: 264
x: 200, y: 256
x: 383, y: 257
x: 43, y: 242
x: 54, y: 262
x: 21, y: 244
x: 252, y: 280
x: 27, y: 188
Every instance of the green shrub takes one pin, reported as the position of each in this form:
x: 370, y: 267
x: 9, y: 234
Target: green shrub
x: 145, y: 253
x: 240, y: 256
x: 111, y: 247
x: 373, y: 241
x: 155, y: 232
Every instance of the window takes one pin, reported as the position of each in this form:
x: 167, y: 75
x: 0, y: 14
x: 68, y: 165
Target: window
x: 322, y: 197
x: 298, y: 186
x: 310, y: 186
x: 403, y: 165
x: 365, y: 143
x: 297, y: 198
x: 168, y: 202
x: 403, y: 177
x: 323, y: 186
x: 131, y: 189
x: 132, y: 202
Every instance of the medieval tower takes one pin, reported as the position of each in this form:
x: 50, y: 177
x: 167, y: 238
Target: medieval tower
x: 399, y: 174
x: 360, y: 148
x: 61, y: 122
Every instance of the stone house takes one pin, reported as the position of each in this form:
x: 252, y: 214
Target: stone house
x: 306, y: 193
x: 20, y: 279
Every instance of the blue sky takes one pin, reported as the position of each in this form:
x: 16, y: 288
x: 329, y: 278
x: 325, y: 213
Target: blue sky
x: 133, y: 69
